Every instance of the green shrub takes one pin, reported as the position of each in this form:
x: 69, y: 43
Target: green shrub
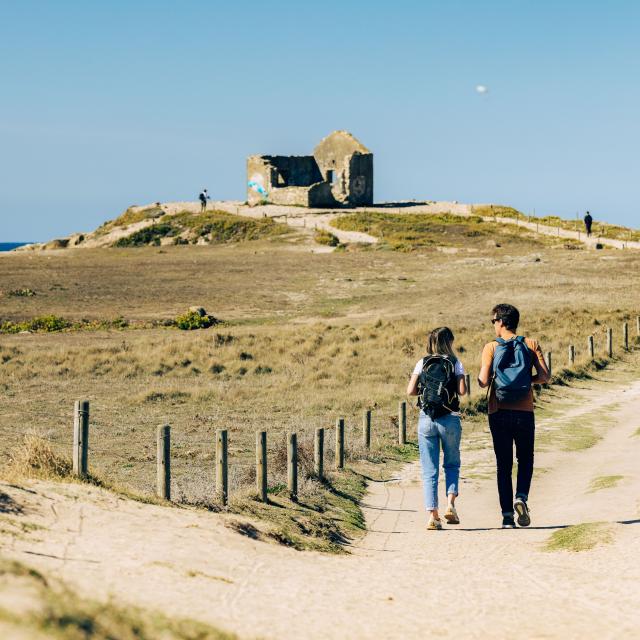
x: 147, y: 236
x: 21, y: 293
x: 259, y: 370
x: 220, y: 226
x: 43, y: 324
x: 324, y: 237
x: 193, y: 320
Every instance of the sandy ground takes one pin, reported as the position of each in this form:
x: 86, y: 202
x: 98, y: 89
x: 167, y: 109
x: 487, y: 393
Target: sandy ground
x: 400, y: 581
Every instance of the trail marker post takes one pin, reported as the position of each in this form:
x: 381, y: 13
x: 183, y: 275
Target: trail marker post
x: 625, y: 336
x: 549, y: 362
x: 572, y: 355
x: 292, y: 466
x: 163, y: 462
x: 366, y: 429
x: 467, y: 382
x: 402, y: 422
x: 340, y: 443
x: 610, y: 343
x: 80, y: 455
x: 222, y: 465
x: 318, y: 454
x: 261, y: 465
x: 591, y: 346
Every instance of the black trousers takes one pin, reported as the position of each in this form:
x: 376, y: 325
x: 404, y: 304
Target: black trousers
x: 509, y: 427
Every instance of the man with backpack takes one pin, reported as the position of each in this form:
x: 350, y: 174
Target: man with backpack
x: 203, y: 200
x: 588, y: 222
x: 507, y: 364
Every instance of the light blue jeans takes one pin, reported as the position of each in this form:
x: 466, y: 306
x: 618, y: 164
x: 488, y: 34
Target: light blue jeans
x: 432, y: 433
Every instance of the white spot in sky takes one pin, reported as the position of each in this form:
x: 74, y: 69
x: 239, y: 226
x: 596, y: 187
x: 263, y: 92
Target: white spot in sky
x: 481, y: 89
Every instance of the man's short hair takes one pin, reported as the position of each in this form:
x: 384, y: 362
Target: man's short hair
x: 509, y: 315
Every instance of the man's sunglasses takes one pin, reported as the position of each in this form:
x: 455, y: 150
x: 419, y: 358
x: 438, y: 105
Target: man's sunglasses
x: 494, y: 320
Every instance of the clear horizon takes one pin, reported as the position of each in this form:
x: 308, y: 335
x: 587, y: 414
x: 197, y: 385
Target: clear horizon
x: 108, y: 105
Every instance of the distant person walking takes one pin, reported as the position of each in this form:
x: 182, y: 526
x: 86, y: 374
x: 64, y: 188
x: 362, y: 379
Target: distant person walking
x: 588, y: 222
x: 203, y: 200
x: 437, y: 380
x: 507, y: 364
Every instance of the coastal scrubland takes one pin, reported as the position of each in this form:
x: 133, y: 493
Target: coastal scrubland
x: 303, y: 337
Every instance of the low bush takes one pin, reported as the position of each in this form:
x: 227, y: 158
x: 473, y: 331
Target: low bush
x: 325, y: 237
x: 41, y: 323
x: 148, y: 236
x: 35, y: 458
x: 21, y: 293
x: 192, y: 320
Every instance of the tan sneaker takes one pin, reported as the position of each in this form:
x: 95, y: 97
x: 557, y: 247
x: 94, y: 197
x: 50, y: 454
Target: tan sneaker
x: 435, y: 524
x: 451, y: 516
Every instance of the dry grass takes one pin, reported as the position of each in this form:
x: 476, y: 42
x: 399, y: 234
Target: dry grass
x: 307, y: 338
x: 599, y: 229
x: 34, y: 458
x: 410, y: 232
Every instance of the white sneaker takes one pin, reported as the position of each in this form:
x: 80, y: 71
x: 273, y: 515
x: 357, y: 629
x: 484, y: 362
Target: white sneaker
x: 451, y: 515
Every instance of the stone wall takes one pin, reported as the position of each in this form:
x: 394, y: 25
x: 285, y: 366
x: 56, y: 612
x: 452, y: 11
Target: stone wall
x: 340, y: 173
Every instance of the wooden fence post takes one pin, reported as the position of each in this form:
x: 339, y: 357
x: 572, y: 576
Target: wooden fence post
x: 292, y: 466
x: 163, y: 462
x: 261, y: 465
x: 467, y: 382
x: 549, y: 362
x: 80, y: 456
x: 625, y: 336
x: 592, y: 350
x: 222, y: 466
x: 340, y: 443
x: 610, y: 343
x: 366, y: 429
x: 572, y: 355
x: 402, y: 422
x: 318, y: 454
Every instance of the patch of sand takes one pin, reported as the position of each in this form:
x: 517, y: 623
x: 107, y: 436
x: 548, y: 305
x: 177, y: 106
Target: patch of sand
x: 471, y: 581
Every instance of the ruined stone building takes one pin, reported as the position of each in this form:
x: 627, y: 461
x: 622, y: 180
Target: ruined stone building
x: 338, y: 174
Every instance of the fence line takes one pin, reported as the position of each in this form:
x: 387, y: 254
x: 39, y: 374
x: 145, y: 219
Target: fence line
x: 81, y: 420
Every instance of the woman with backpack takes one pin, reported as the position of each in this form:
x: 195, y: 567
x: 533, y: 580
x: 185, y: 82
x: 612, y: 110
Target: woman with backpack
x: 438, y: 380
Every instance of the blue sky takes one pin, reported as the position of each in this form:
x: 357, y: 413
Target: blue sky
x: 108, y: 104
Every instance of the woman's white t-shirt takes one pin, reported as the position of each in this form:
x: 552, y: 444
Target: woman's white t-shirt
x: 458, y: 369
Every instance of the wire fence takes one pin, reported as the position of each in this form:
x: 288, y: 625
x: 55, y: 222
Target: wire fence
x: 191, y: 468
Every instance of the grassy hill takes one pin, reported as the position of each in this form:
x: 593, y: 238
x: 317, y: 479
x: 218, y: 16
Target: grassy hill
x: 410, y: 232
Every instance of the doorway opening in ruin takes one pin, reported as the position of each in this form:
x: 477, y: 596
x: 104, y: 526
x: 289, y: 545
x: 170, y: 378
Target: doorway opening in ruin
x: 283, y: 178
x: 331, y: 176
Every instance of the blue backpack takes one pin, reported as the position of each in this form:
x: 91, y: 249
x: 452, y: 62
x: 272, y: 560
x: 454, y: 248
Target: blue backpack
x: 512, y: 362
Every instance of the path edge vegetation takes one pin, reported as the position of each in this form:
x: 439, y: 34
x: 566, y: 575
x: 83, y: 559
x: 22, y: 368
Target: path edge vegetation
x: 57, y: 612
x: 327, y: 519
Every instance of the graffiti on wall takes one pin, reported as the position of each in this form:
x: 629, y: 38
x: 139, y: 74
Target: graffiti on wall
x: 256, y: 183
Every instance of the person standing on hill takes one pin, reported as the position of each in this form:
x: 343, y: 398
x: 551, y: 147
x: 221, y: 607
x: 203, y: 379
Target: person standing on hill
x: 203, y: 200
x: 588, y: 221
x: 437, y: 380
x: 507, y: 364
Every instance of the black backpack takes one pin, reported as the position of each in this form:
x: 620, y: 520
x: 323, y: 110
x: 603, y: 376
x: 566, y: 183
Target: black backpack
x: 438, y: 386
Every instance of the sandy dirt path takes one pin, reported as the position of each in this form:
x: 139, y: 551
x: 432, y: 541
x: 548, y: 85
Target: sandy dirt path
x: 471, y: 581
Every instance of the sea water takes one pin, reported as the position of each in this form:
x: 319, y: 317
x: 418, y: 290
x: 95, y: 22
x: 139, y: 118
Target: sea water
x: 7, y: 246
